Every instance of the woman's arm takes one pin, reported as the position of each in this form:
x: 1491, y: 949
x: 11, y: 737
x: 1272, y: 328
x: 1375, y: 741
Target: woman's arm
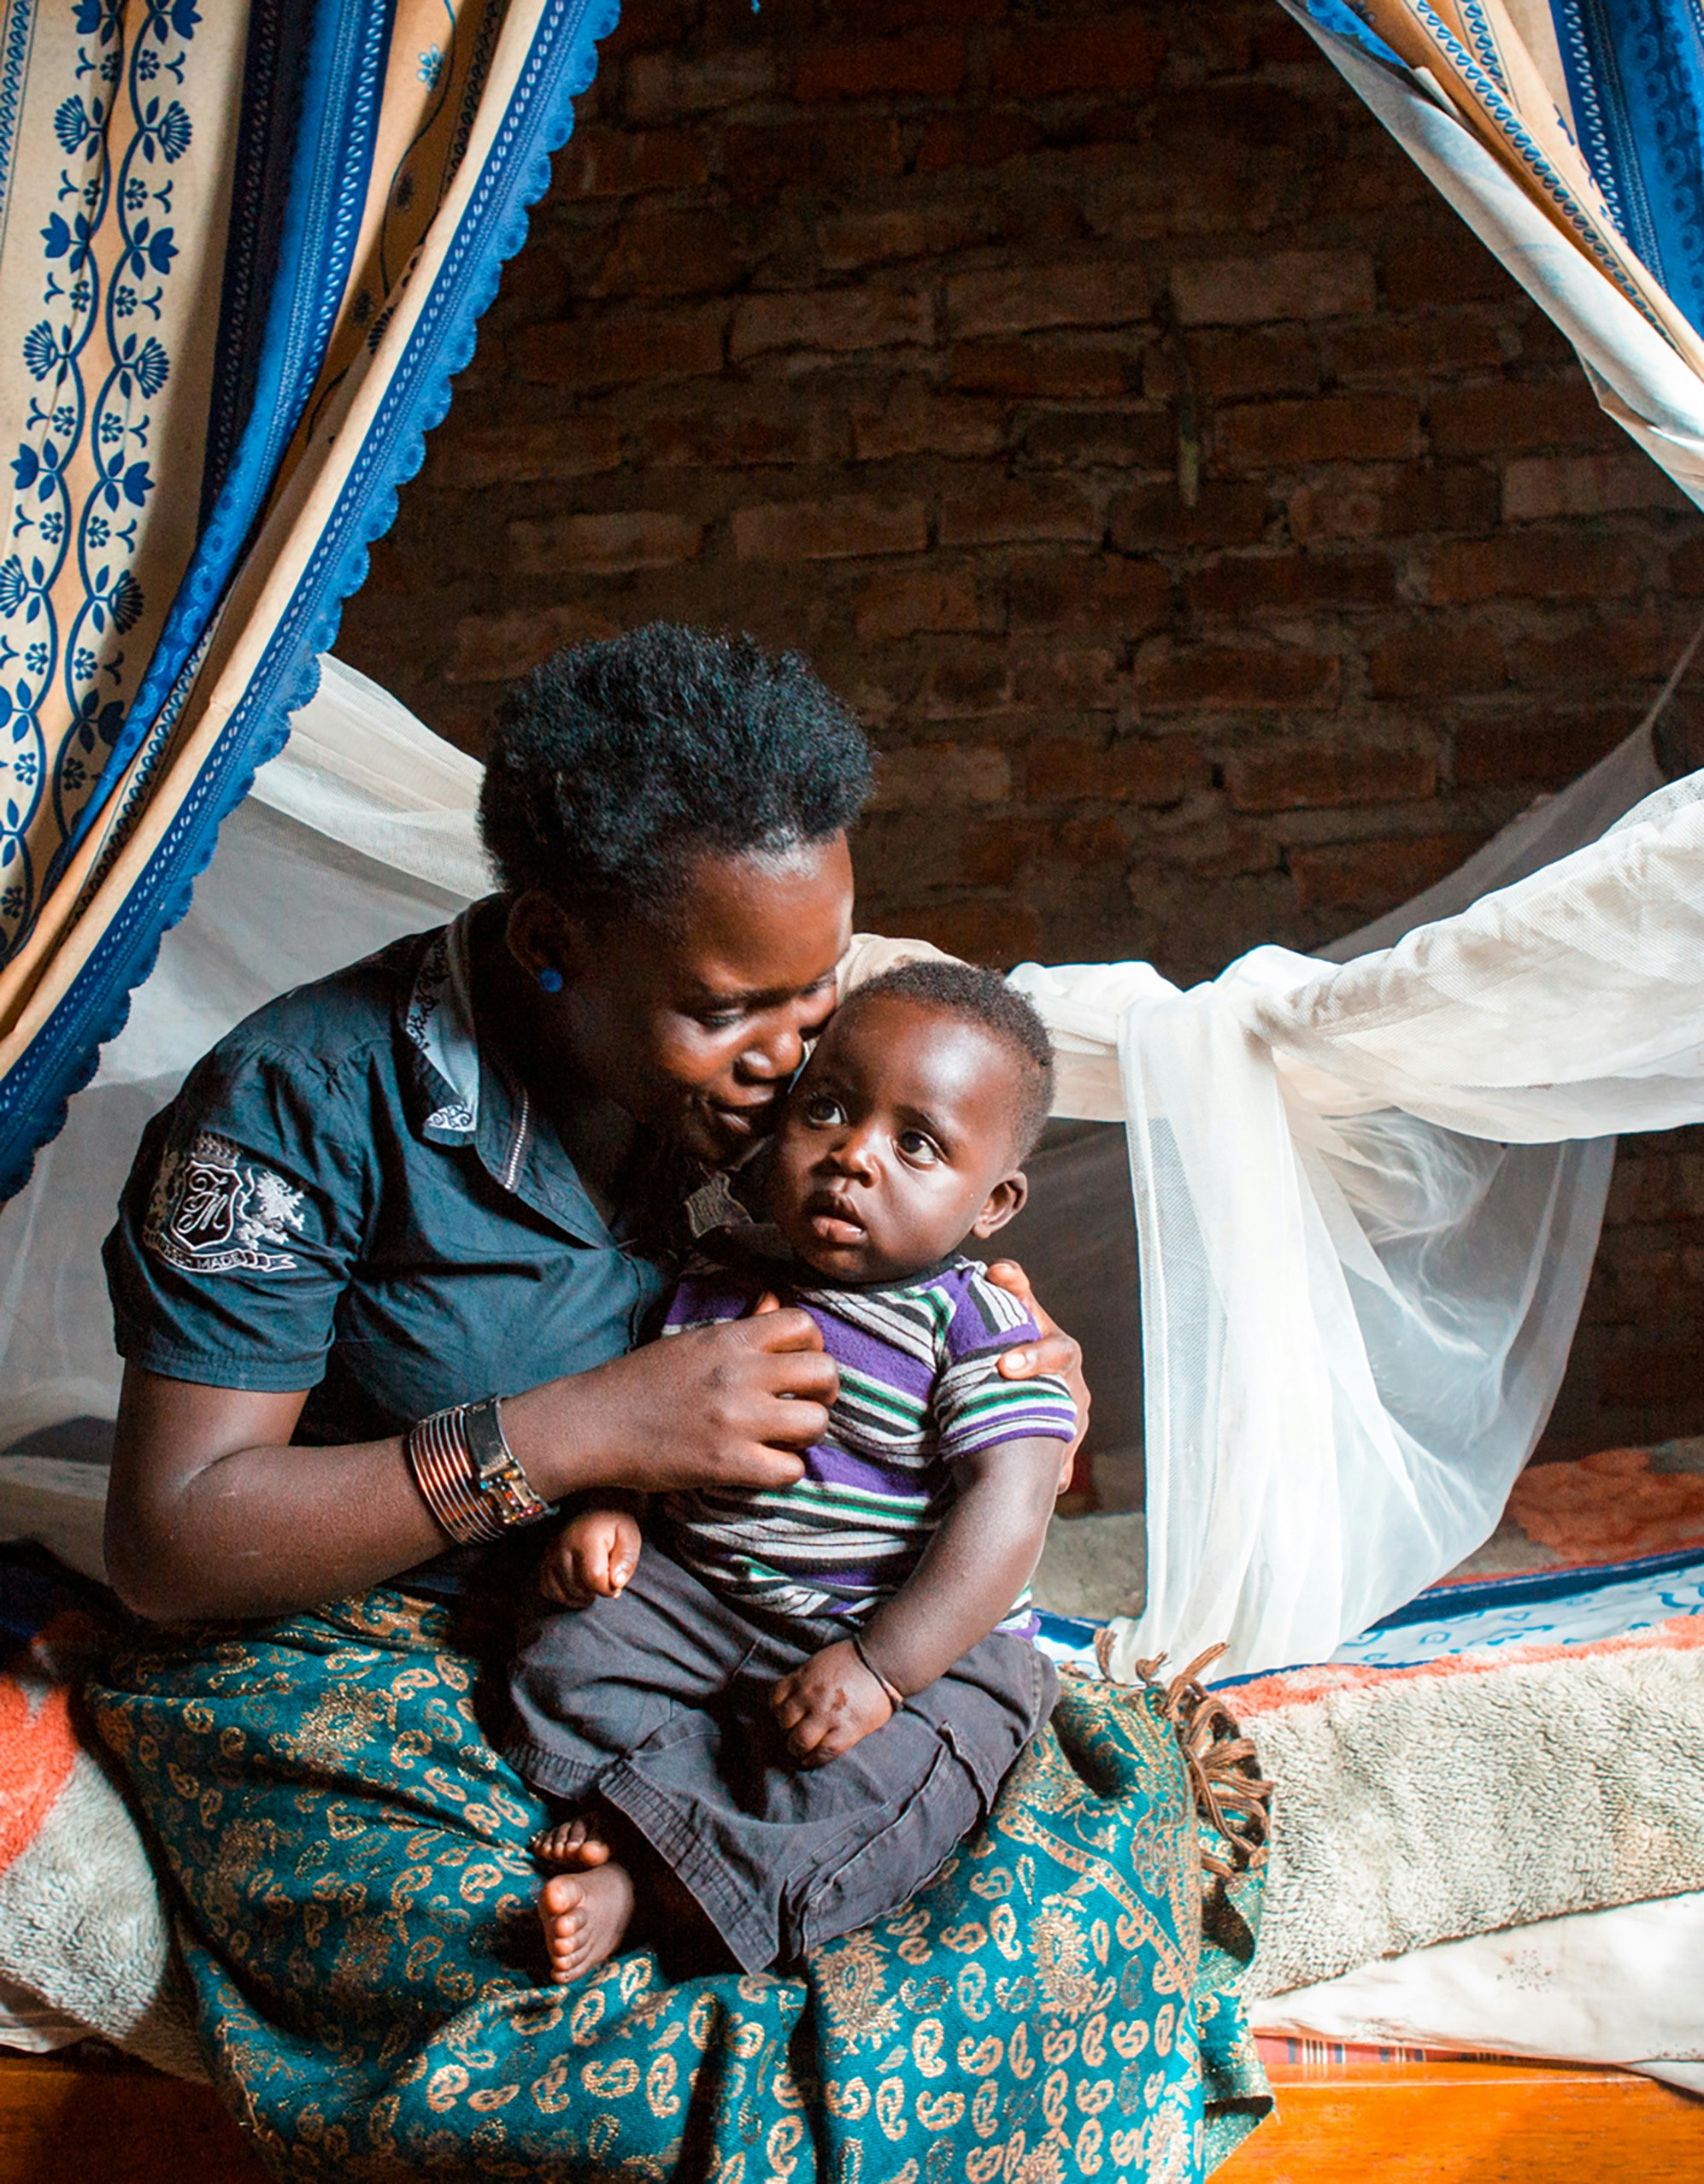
x: 212, y: 1514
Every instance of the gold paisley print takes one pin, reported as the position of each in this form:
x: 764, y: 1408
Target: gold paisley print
x: 349, y: 1862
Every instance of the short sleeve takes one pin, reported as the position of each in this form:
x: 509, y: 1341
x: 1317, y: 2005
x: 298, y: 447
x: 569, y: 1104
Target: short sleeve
x: 239, y: 1226
x: 975, y: 1406
x: 707, y: 1295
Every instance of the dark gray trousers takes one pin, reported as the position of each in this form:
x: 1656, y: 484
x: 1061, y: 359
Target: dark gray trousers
x: 658, y: 1703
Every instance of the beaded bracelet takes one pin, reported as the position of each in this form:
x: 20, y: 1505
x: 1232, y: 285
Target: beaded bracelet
x: 468, y: 1475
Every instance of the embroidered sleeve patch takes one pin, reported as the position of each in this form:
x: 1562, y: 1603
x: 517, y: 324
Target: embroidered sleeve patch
x: 211, y: 1211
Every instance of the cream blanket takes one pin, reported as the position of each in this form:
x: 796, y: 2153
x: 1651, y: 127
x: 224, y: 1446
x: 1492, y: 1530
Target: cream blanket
x: 1475, y: 1792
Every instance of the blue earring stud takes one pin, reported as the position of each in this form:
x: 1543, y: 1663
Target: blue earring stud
x: 550, y: 979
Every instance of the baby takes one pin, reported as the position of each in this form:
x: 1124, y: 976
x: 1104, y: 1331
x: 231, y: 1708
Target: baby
x: 791, y: 1705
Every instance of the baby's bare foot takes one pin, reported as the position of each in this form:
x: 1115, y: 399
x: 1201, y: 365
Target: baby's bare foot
x: 584, y: 1917
x: 576, y: 1844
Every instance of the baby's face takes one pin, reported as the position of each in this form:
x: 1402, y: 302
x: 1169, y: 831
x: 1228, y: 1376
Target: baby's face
x: 896, y: 1143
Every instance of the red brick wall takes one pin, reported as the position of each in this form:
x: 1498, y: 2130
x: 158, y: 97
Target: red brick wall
x: 1215, y: 541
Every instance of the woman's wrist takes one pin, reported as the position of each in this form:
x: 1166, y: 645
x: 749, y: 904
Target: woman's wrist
x: 546, y: 1429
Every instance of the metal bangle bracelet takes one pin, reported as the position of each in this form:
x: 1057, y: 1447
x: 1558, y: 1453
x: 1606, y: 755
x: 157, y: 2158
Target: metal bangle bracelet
x: 468, y: 1475
x: 438, y: 1456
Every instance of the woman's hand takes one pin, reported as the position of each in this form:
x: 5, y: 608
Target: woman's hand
x: 1057, y: 1352
x: 722, y: 1405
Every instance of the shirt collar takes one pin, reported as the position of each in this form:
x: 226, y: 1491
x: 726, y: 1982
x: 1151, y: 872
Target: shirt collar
x: 439, y: 1023
x: 464, y: 1097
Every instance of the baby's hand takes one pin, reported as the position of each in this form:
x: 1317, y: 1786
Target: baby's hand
x: 591, y: 1558
x: 828, y: 1704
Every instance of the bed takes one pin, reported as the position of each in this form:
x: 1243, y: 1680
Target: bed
x: 1345, y: 2114
x: 1393, y: 1957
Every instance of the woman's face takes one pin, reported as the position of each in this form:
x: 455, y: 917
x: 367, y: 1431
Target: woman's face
x: 699, y: 1027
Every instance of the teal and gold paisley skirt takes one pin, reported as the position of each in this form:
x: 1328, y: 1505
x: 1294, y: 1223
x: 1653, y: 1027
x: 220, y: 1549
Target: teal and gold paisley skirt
x: 355, y: 1894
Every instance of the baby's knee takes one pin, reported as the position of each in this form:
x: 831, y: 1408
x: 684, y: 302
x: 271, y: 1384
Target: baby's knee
x: 914, y: 1837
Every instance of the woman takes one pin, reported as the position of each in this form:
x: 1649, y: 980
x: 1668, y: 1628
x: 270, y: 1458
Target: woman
x: 459, y: 1171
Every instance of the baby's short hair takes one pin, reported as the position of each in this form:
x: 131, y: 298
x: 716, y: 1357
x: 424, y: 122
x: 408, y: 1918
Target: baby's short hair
x: 967, y: 989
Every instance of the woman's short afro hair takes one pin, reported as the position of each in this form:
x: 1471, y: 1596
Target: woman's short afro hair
x: 614, y: 766
x: 983, y: 995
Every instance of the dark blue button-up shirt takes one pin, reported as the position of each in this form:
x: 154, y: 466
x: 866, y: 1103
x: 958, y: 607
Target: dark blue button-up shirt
x: 349, y: 1195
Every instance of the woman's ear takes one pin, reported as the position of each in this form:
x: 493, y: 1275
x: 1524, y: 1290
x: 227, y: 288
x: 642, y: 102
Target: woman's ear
x: 544, y: 938
x: 1006, y: 1199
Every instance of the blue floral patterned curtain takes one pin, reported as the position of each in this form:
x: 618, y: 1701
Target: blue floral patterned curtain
x: 1594, y: 108
x: 1634, y: 72
x: 243, y: 244
x: 1570, y: 134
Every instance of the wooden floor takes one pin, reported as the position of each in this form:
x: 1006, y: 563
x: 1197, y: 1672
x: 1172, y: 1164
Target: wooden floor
x: 1401, y: 2123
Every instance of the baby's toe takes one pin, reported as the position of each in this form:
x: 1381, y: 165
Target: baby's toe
x: 561, y: 1912
x: 584, y: 1921
x: 571, y: 1842
x: 562, y: 1896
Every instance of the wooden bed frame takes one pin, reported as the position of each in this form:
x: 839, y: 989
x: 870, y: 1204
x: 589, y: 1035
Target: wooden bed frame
x: 65, y: 2121
x: 1448, y: 2122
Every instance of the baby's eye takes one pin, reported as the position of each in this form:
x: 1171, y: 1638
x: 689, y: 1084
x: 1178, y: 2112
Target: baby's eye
x: 823, y: 1110
x: 721, y: 1020
x: 921, y: 1151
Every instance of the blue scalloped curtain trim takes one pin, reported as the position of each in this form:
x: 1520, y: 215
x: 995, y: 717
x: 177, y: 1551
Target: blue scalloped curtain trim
x: 338, y: 50
x: 17, y: 33
x: 62, y: 1057
x: 1635, y: 70
x: 273, y: 132
x: 1338, y: 16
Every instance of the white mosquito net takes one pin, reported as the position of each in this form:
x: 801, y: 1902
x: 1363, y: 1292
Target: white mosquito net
x: 361, y: 829
x: 1366, y: 1195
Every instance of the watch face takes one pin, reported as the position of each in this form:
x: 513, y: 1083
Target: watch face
x: 495, y: 1472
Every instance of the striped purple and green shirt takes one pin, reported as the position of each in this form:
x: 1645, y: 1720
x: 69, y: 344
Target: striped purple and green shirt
x: 919, y: 1388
